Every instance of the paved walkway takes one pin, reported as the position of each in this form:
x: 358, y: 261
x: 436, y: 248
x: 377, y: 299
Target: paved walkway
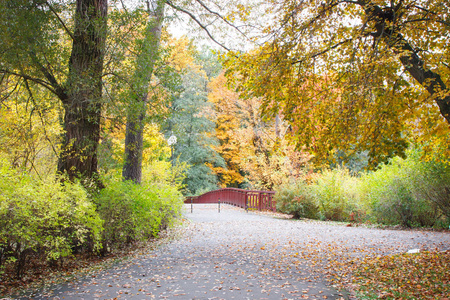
x: 239, y: 255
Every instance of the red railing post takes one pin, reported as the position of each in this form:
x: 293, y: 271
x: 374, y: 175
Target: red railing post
x: 259, y: 200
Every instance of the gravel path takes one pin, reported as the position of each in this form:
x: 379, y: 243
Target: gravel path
x: 239, y: 255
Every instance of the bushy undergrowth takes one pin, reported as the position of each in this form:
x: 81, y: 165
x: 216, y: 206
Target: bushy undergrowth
x: 51, y: 218
x: 409, y: 192
x: 136, y: 212
x: 43, y: 217
x: 333, y: 191
x: 296, y: 199
x: 330, y: 196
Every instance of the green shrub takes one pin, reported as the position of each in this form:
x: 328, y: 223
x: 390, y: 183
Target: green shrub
x: 431, y: 182
x: 296, y: 199
x: 166, y: 172
x: 334, y: 193
x: 408, y: 191
x: 136, y: 212
x: 43, y: 216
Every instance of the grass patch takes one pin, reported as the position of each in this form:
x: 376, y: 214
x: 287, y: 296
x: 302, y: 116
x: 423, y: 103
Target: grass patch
x: 423, y: 275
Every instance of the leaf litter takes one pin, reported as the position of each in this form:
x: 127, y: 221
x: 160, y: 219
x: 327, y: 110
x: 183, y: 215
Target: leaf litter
x: 238, y: 255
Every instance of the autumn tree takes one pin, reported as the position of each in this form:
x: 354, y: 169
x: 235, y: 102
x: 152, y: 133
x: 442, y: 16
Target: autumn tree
x: 353, y: 75
x: 62, y: 48
x: 30, y: 130
x: 201, y: 13
x: 190, y: 120
x: 30, y: 33
x: 84, y: 81
x: 227, y: 126
x: 255, y: 150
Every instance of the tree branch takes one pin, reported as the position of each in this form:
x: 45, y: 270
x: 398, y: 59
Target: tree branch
x: 445, y: 64
x: 323, y: 51
x: 410, y: 60
x: 35, y: 80
x: 40, y: 116
x: 60, y: 20
x: 427, y: 11
x: 222, y: 18
x: 56, y: 87
x: 10, y: 92
x: 194, y: 18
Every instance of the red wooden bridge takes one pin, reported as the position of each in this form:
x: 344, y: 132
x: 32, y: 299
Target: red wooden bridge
x: 253, y: 200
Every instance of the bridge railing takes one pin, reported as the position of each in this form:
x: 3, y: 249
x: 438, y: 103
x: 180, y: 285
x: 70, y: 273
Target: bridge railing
x: 259, y: 200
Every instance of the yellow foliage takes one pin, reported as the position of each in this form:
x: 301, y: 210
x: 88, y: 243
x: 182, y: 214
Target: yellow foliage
x: 182, y: 52
x: 113, y: 145
x: 29, y: 135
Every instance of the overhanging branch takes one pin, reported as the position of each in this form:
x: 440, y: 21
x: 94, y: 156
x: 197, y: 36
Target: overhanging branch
x: 221, y: 17
x: 56, y: 87
x: 60, y: 20
x: 196, y: 20
x: 409, y: 58
x: 323, y: 51
x: 30, y: 78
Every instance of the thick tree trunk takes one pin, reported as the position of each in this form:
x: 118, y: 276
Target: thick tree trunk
x: 132, y: 169
x: 82, y: 134
x: 84, y: 90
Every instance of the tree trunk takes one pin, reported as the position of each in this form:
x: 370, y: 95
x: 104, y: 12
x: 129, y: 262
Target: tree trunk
x: 277, y: 126
x: 132, y: 169
x: 84, y: 91
x: 134, y: 141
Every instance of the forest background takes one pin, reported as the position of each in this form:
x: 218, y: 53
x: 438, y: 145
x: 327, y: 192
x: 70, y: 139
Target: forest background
x: 107, y: 120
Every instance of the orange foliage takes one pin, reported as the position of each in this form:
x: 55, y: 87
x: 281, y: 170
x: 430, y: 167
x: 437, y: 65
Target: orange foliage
x: 252, y: 147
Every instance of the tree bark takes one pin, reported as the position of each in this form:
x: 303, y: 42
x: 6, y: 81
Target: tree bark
x: 132, y: 169
x: 277, y: 126
x: 84, y: 91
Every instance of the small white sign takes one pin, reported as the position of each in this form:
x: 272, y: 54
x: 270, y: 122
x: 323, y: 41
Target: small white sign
x: 413, y: 251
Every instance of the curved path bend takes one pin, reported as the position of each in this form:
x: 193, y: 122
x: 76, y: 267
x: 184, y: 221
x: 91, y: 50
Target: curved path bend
x: 239, y: 255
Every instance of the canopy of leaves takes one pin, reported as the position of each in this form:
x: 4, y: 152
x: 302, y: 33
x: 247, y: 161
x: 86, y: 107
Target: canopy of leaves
x: 345, y: 74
